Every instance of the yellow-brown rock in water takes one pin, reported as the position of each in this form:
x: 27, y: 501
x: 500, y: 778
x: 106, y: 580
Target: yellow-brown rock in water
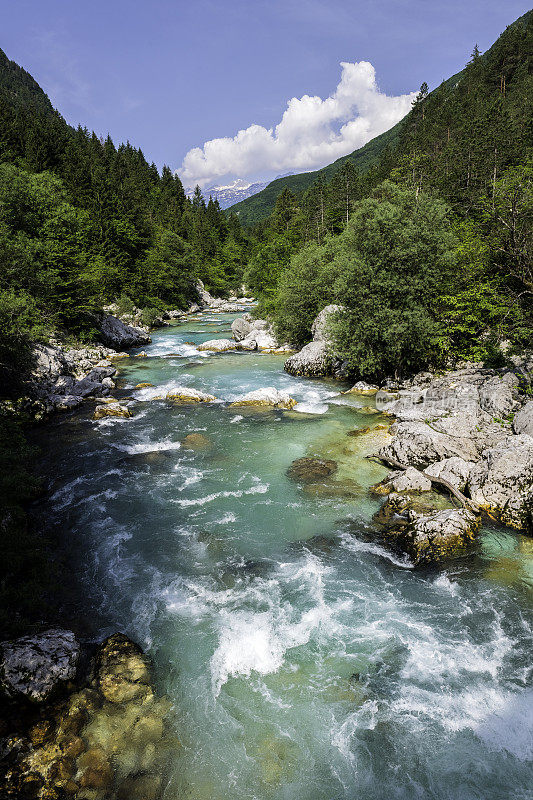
x: 185, y: 394
x: 95, y: 769
x: 265, y: 398
x: 123, y: 672
x: 145, y: 385
x: 196, y: 441
x: 311, y: 470
x: 111, y: 410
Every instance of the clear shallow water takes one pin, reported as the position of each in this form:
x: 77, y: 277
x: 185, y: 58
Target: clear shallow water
x: 303, y: 661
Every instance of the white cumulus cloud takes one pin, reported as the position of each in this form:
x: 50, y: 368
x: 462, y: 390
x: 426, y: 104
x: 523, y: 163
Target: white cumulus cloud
x: 312, y: 133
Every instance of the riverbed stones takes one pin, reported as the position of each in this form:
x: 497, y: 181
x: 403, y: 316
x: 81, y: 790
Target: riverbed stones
x: 186, y: 394
x: 310, y: 469
x: 268, y: 397
x: 36, y: 666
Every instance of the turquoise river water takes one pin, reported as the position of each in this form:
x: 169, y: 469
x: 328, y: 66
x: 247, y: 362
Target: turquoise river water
x: 303, y: 662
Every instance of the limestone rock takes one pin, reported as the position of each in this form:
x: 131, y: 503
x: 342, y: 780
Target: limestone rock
x: 420, y: 444
x: 454, y: 470
x: 495, y: 396
x: 503, y: 481
x: 268, y: 397
x: 433, y: 537
x: 35, y: 666
x: 217, y: 345
x: 409, y: 480
x: 240, y: 328
x: 311, y: 361
x: 523, y: 419
x: 320, y: 323
x: 118, y: 335
x: 361, y: 387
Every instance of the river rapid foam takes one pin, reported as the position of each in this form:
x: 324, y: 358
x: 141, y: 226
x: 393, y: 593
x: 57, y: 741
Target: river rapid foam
x: 303, y: 661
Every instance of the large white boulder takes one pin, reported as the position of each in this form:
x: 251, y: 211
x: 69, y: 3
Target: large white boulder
x: 217, y: 345
x: 311, y: 361
x: 320, y: 323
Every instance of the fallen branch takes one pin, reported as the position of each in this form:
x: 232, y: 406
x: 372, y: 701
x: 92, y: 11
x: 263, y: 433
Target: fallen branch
x: 465, y: 501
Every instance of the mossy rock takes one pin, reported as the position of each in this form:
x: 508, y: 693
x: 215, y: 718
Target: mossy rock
x: 311, y: 470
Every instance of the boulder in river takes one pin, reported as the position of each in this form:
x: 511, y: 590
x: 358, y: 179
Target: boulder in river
x: 423, y: 535
x: 408, y: 480
x: 118, y: 335
x: 361, y: 387
x: 185, y: 394
x: 36, y: 666
x: 268, y: 397
x: 113, y: 409
x: 310, y: 469
x: 217, y: 345
x: 240, y: 328
x: 312, y: 361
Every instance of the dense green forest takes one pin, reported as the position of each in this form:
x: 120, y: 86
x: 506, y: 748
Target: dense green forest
x: 84, y: 222
x: 431, y: 248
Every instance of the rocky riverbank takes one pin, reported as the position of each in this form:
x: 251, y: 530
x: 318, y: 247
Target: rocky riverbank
x: 468, y: 432
x: 79, y: 723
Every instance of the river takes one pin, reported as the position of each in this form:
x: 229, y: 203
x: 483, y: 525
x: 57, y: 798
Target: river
x: 302, y: 660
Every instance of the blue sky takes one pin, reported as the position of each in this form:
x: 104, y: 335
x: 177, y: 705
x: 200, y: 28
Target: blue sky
x: 171, y: 75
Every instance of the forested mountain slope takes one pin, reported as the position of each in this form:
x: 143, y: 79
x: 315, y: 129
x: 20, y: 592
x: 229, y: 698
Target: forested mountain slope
x: 261, y: 204
x: 431, y: 249
x: 391, y: 144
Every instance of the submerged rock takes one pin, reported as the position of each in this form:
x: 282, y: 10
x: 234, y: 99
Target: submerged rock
x: 268, y: 397
x: 35, y: 666
x: 196, y: 441
x: 311, y: 470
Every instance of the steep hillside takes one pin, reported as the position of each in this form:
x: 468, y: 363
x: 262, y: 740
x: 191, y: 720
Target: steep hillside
x: 260, y: 205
